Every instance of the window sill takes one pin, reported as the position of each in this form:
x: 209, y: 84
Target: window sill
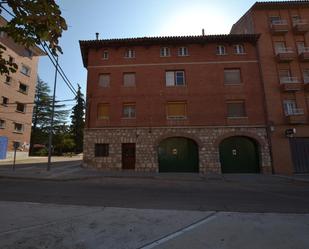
x: 18, y: 132
x: 8, y: 83
x: 25, y: 93
x: 221, y: 54
x: 165, y: 56
x: 176, y: 86
x: 129, y: 57
x: 183, y: 55
x: 2, y: 128
x: 20, y: 112
x: 176, y: 118
x: 240, y: 53
x: 233, y: 84
x: 4, y: 105
x: 28, y: 75
x: 125, y: 118
x: 244, y: 117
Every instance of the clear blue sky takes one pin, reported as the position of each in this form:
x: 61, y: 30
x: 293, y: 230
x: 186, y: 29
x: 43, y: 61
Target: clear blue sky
x: 133, y: 18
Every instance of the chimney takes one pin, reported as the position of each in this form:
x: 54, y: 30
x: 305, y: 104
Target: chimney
x: 97, y: 35
x: 203, y: 32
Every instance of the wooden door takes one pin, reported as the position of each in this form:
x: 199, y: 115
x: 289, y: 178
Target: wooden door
x: 128, y: 156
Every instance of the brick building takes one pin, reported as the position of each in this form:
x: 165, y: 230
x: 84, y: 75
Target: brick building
x: 16, y: 93
x: 283, y: 50
x: 175, y: 104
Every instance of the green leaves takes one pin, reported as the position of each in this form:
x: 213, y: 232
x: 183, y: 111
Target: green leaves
x: 34, y: 22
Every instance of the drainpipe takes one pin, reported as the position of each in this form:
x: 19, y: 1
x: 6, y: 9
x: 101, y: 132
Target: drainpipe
x: 267, y: 121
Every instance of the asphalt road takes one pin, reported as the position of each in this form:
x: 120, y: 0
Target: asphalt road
x: 257, y: 194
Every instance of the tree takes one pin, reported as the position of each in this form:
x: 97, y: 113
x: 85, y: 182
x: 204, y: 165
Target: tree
x: 34, y: 22
x: 77, y: 121
x: 42, y: 114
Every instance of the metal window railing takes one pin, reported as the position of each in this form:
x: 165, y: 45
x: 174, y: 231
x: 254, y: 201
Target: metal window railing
x: 288, y: 80
x: 279, y: 22
x: 284, y: 50
x: 294, y: 111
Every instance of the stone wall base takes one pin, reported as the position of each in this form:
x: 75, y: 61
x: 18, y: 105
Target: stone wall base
x: 147, y: 141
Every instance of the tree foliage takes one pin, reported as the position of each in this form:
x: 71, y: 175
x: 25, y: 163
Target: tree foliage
x: 33, y: 22
x: 42, y: 114
x: 77, y: 121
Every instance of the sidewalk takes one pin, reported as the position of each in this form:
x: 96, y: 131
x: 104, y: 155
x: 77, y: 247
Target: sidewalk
x: 70, y: 168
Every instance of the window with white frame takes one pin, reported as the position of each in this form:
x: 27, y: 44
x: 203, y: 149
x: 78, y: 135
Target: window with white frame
x: 280, y: 47
x: 18, y: 127
x: 165, y: 52
x: 25, y: 70
x: 306, y: 75
x: 183, y: 51
x: 2, y: 124
x: 105, y: 55
x: 128, y: 110
x: 239, y: 49
x: 175, y: 78
x: 104, y: 80
x: 301, y: 47
x: 129, y: 53
x: 221, y: 50
x: 290, y: 107
x: 129, y: 79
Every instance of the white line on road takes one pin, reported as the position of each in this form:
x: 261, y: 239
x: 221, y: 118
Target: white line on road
x: 180, y: 232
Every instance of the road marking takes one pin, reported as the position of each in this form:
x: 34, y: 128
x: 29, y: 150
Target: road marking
x: 180, y: 232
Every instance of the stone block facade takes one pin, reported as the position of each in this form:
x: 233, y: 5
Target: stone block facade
x: 147, y: 141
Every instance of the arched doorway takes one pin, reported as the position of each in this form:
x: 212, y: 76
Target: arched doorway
x: 178, y: 154
x: 239, y: 154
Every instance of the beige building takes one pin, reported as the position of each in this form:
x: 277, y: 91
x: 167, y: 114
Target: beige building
x: 17, y: 92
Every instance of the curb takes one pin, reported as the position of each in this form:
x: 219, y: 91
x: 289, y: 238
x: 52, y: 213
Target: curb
x: 292, y: 178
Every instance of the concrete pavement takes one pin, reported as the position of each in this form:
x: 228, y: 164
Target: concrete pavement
x: 36, y: 226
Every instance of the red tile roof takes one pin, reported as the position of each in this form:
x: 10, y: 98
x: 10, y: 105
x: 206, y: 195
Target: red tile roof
x: 85, y: 45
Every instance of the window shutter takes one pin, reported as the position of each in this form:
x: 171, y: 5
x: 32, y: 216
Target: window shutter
x: 170, y: 78
x: 104, y: 80
x: 129, y: 79
x: 103, y: 111
x: 232, y: 76
x: 176, y: 109
x: 236, y: 109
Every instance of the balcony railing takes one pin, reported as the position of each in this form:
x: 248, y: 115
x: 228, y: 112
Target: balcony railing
x: 303, y: 50
x: 289, y: 80
x: 279, y: 26
x: 285, y: 54
x: 295, y: 111
x: 300, y: 26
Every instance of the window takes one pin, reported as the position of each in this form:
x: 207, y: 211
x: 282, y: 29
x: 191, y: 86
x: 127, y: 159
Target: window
x: 301, y: 47
x: 2, y: 124
x: 175, y: 78
x: 183, y: 51
x: 280, y: 47
x: 128, y: 110
x: 25, y: 70
x: 104, y: 80
x: 103, y: 111
x: 23, y: 88
x: 2, y: 34
x: 239, y: 49
x: 129, y: 79
x: 101, y: 150
x: 105, y: 55
x: 290, y: 107
x: 221, y: 50
x: 306, y: 76
x: 18, y: 127
x: 232, y: 76
x: 296, y: 19
x: 8, y: 79
x: 165, y: 51
x: 275, y: 19
x: 129, y: 53
x: 11, y: 59
x: 5, y: 101
x: 28, y: 53
x: 236, y: 109
x: 176, y: 110
x: 20, y: 107
x: 285, y: 75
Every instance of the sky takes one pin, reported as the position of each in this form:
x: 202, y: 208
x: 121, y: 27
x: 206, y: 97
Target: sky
x: 132, y: 18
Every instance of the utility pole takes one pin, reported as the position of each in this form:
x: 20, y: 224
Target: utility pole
x: 50, y: 140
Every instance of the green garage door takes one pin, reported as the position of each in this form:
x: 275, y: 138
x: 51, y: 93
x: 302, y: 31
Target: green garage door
x: 178, y: 154
x: 239, y: 155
